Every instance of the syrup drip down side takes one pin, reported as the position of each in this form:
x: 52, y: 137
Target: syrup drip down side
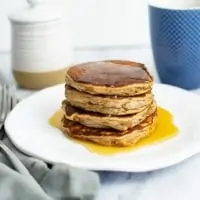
x: 164, y: 130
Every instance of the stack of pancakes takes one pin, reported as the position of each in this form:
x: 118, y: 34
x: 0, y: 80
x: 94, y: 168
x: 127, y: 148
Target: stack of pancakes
x: 109, y: 102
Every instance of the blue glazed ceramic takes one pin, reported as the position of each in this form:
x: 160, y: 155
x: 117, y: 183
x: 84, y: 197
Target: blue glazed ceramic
x: 175, y: 38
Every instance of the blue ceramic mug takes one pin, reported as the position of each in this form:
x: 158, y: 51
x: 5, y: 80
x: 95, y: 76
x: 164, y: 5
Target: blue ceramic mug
x: 175, y: 39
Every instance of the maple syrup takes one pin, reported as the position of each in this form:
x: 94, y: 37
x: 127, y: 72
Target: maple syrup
x: 165, y: 130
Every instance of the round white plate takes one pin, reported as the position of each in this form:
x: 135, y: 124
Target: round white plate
x: 28, y: 128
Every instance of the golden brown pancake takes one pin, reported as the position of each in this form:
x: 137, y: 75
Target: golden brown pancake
x: 110, y: 105
x: 97, y: 120
x: 110, y: 137
x: 110, y: 77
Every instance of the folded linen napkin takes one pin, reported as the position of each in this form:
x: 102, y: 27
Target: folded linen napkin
x: 57, y: 182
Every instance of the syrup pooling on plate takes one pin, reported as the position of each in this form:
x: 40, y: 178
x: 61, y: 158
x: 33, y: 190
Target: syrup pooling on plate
x: 165, y: 129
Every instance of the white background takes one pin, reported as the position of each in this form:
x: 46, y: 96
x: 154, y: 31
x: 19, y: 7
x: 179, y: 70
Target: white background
x: 92, y: 22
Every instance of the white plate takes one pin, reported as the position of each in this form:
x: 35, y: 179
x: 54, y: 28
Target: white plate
x: 28, y: 128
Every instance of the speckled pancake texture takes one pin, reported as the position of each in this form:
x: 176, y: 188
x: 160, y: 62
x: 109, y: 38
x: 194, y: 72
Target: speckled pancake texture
x: 109, y: 102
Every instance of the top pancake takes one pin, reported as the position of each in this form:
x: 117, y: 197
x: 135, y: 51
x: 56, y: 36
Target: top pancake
x: 110, y: 77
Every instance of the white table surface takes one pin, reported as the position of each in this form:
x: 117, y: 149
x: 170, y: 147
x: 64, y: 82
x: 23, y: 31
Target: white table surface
x: 180, y: 182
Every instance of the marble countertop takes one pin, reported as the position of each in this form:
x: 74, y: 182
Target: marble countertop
x: 178, y: 182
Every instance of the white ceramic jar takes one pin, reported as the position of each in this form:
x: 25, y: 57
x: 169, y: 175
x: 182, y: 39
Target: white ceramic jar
x: 41, y: 45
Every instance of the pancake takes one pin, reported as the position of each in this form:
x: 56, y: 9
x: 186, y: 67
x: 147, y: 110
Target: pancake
x: 110, y: 77
x: 97, y: 120
x: 110, y: 105
x: 110, y: 137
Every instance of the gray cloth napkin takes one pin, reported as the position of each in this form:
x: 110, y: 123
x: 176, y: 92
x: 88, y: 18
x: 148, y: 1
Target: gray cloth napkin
x: 57, y: 182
